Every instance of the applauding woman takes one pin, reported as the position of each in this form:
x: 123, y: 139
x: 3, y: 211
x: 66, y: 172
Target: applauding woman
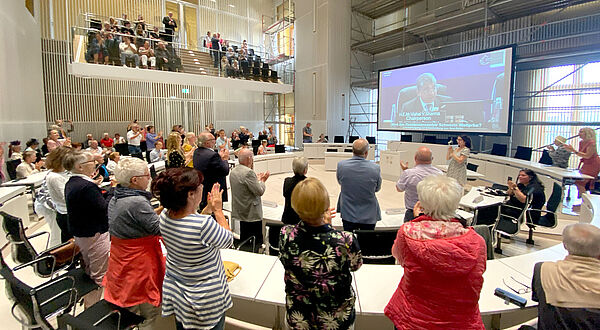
x: 457, y: 168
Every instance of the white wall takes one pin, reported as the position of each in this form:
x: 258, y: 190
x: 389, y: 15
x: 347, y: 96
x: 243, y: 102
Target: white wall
x: 22, y: 114
x: 322, y: 50
x: 235, y: 108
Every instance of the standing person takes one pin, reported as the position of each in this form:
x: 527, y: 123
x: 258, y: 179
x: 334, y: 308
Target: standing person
x: 170, y: 26
x: 307, y: 133
x: 560, y: 155
x: 174, y: 151
x: 300, y: 168
x: 246, y: 190
x: 215, y: 48
x: 318, y: 260
x: 88, y: 220
x: 410, y: 178
x: 443, y: 264
x: 134, y: 138
x: 457, y: 168
x: 195, y: 286
x: 207, y: 40
x: 151, y: 138
x: 213, y: 165
x: 56, y: 180
x: 359, y: 179
x: 590, y: 162
x: 136, y: 266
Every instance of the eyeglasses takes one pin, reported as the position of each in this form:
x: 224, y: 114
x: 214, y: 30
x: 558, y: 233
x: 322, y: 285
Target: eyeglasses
x: 524, y: 290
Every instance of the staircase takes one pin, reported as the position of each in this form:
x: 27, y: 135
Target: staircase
x: 197, y: 62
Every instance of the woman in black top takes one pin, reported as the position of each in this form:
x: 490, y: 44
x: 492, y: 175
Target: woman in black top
x: 87, y: 209
x: 528, y: 185
x: 175, y: 156
x: 300, y: 167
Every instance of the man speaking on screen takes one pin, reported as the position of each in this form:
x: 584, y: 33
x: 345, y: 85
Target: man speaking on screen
x: 426, y: 106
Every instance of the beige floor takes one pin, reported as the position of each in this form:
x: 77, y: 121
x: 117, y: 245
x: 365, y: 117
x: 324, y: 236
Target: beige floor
x: 388, y: 198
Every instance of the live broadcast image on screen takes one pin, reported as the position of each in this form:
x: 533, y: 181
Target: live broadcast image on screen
x: 469, y: 94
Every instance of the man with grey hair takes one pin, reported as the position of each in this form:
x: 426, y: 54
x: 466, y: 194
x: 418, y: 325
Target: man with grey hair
x: 427, y: 102
x: 213, y: 165
x: 246, y: 190
x: 359, y: 179
x: 568, y: 291
x: 134, y: 228
x: 409, y: 179
x: 300, y: 167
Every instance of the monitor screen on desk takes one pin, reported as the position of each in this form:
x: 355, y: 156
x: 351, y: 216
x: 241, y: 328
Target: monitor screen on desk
x: 467, y: 94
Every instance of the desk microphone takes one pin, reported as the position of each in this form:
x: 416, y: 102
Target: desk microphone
x: 510, y: 297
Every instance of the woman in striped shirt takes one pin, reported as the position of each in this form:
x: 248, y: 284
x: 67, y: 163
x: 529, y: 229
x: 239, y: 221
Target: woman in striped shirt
x: 195, y: 287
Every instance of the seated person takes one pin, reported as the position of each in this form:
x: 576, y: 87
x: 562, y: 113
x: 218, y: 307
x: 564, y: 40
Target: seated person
x: 163, y: 58
x: 139, y: 35
x: 568, y: 290
x: 529, y: 186
x: 560, y: 155
x: 224, y: 65
x: 126, y: 29
x: 146, y: 53
x: 29, y: 165
x: 14, y: 151
x: 113, y: 161
x: 236, y: 68
x: 97, y: 52
x: 129, y: 52
x: 262, y: 149
x: 158, y: 154
x: 426, y: 102
x: 106, y: 141
x: 94, y: 148
x: 322, y: 138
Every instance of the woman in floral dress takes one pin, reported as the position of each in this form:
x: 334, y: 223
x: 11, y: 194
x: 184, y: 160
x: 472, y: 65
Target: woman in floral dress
x: 318, y: 260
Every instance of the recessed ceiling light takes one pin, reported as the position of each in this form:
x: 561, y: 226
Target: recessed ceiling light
x: 232, y: 6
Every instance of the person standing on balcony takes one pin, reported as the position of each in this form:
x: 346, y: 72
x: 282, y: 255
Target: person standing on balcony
x: 170, y: 26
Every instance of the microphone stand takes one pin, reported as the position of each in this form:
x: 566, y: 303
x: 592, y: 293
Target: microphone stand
x: 570, y: 138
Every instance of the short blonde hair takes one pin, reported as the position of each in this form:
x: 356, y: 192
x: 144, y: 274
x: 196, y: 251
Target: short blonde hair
x: 439, y: 196
x: 310, y: 199
x: 589, y: 133
x: 128, y: 168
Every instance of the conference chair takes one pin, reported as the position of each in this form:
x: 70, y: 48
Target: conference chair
x: 371, y: 139
x: 279, y: 148
x: 472, y: 167
x: 545, y: 159
x: 273, y: 232
x: 484, y: 232
x: 352, y: 138
x: 255, y: 143
x: 274, y: 77
x: 549, y: 218
x: 376, y: 245
x: 331, y: 150
x: 523, y: 153
x: 406, y: 138
x: 499, y: 149
x: 338, y: 139
x: 36, y: 306
x: 429, y: 139
x: 256, y: 72
x: 11, y: 168
x: 509, y: 223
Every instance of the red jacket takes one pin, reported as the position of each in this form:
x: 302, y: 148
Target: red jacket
x: 442, y: 277
x: 136, y: 269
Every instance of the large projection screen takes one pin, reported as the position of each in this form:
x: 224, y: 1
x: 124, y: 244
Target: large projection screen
x: 467, y: 94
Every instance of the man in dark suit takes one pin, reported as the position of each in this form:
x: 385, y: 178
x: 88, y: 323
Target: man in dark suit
x: 170, y: 26
x: 427, y: 103
x: 213, y: 165
x: 359, y: 179
x: 215, y: 50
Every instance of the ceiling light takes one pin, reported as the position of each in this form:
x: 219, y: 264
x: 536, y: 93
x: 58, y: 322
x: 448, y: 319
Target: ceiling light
x: 232, y: 6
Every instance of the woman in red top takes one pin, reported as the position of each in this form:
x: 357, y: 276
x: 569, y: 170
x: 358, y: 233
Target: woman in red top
x: 443, y: 264
x: 590, y: 162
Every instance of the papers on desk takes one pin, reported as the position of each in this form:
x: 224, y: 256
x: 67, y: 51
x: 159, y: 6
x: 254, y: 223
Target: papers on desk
x: 395, y: 211
x: 269, y: 204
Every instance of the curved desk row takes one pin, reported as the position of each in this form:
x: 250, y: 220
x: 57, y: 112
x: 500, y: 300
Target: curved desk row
x: 259, y: 289
x: 274, y: 163
x: 319, y: 150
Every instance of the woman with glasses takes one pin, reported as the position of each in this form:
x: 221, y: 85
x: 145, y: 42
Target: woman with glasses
x: 443, y: 263
x: 87, y: 213
x: 136, y: 266
x: 457, y: 168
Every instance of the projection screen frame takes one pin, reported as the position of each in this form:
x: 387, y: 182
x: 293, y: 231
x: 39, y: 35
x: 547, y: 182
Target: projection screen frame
x: 513, y: 47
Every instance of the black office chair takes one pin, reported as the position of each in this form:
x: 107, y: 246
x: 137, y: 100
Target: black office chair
x: 509, y: 222
x: 11, y: 168
x: 122, y: 149
x: 255, y: 143
x: 406, y: 138
x: 376, y: 245
x: 255, y: 150
x: 429, y: 139
x: 484, y: 232
x: 523, y: 153
x: 549, y: 218
x: 273, y: 232
x: 279, y: 148
x: 331, y: 150
x: 546, y: 159
x: 499, y: 149
x: 338, y: 139
x: 353, y: 138
x: 265, y: 73
x: 370, y: 139
x: 472, y: 167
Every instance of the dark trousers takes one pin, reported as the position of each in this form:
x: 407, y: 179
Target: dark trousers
x: 216, y: 54
x: 408, y: 215
x: 63, y: 223
x: 251, y: 228
x: 352, y: 226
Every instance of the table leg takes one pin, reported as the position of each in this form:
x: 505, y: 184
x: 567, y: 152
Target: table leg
x: 279, y: 323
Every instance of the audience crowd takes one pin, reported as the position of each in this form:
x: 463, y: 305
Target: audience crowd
x: 118, y: 229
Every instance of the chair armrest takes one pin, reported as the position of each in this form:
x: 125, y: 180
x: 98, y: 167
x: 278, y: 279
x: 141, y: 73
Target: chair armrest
x: 109, y: 314
x: 247, y: 240
x: 70, y: 290
x: 34, y: 261
x: 510, y: 206
x: 39, y: 234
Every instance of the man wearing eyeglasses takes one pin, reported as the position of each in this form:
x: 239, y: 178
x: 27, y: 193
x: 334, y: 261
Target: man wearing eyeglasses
x: 213, y: 165
x: 568, y: 291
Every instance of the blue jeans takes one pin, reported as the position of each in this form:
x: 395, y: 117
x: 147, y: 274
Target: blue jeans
x: 219, y: 326
x: 133, y: 150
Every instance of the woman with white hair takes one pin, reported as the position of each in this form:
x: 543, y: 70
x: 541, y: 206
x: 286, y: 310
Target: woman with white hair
x: 590, y: 161
x: 136, y: 267
x: 88, y: 221
x: 189, y: 146
x: 29, y: 166
x: 560, y: 155
x: 443, y: 263
x: 300, y: 168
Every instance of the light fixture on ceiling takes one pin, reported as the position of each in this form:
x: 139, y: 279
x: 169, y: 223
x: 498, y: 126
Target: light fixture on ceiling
x: 232, y: 6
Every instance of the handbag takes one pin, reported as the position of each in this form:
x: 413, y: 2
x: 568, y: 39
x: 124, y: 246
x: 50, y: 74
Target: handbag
x: 232, y: 269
